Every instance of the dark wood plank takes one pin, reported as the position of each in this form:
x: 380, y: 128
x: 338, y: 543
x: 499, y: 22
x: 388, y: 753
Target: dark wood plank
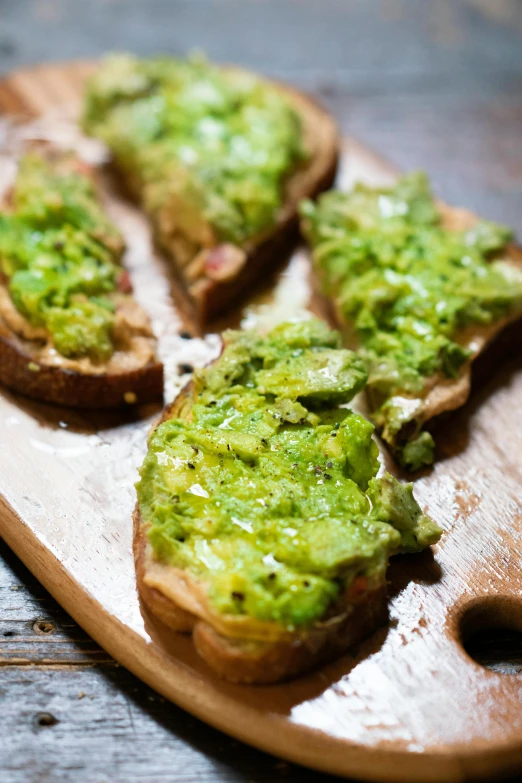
x: 69, y: 709
x: 377, y: 47
x: 34, y: 630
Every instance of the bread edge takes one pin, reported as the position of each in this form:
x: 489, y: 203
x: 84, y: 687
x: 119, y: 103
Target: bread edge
x: 244, y: 661
x: 23, y: 373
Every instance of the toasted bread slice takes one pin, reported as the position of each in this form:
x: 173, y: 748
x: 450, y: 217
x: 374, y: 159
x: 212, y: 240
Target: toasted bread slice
x: 215, y: 274
x: 440, y: 393
x: 447, y: 394
x: 242, y: 649
x: 251, y: 639
x: 31, y: 365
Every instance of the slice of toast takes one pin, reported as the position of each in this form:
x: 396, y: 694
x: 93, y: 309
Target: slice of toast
x: 241, y: 649
x: 441, y: 394
x: 31, y: 365
x: 243, y: 646
x: 216, y: 274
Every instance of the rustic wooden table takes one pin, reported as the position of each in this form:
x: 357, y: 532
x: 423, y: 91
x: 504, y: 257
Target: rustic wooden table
x: 435, y: 85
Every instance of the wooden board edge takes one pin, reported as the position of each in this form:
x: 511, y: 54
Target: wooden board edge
x: 18, y: 96
x: 308, y: 747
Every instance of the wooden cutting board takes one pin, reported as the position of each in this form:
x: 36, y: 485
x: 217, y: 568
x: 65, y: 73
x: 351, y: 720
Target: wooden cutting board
x: 409, y: 704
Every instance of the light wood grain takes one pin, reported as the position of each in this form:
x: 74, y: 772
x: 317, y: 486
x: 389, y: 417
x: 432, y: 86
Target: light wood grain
x: 410, y: 704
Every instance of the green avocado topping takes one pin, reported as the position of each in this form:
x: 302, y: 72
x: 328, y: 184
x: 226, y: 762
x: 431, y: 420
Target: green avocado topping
x: 265, y: 489
x: 59, y: 254
x: 405, y: 286
x: 218, y: 141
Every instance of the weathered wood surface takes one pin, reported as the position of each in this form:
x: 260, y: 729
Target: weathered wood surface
x: 69, y: 712
x: 69, y: 709
x: 452, y: 103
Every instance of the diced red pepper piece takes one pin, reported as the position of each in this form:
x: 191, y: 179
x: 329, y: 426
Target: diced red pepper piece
x: 123, y: 282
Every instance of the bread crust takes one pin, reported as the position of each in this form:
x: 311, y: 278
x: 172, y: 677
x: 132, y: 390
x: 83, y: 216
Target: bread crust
x: 209, y: 296
x: 22, y: 372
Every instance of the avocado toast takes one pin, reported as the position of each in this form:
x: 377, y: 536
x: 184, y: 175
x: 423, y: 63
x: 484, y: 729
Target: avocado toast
x: 261, y: 526
x: 420, y: 289
x: 218, y: 158
x: 70, y: 330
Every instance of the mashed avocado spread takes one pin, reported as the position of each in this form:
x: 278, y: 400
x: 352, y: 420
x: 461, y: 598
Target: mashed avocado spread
x: 59, y: 255
x: 219, y: 141
x: 406, y: 286
x: 265, y: 489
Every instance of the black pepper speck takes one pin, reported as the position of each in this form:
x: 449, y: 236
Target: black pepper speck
x: 183, y: 369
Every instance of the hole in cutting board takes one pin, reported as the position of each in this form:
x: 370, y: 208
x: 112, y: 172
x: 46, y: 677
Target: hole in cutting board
x: 490, y: 630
